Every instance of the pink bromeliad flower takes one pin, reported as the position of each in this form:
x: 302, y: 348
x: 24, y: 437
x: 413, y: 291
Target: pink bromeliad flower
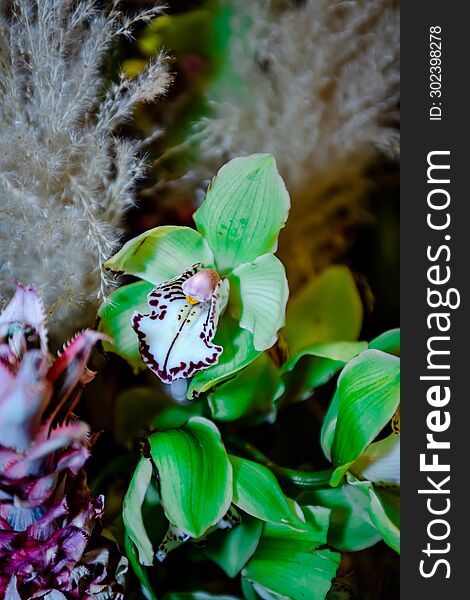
x: 50, y: 542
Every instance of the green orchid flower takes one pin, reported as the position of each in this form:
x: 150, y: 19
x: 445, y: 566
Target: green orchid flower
x: 366, y: 469
x: 210, y: 299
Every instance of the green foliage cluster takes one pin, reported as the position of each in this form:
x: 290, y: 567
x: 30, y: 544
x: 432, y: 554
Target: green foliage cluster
x: 200, y: 483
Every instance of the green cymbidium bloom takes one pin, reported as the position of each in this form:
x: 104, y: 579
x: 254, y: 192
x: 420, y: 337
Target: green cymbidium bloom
x: 366, y: 401
x: 220, y: 282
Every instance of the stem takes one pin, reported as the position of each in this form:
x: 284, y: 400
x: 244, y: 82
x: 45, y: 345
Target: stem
x: 307, y: 480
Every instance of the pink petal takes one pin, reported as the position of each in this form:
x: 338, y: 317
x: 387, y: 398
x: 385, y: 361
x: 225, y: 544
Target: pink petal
x: 25, y: 308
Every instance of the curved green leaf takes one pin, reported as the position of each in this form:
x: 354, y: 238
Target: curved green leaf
x: 317, y: 364
x: 385, y: 514
x: 245, y: 207
x: 250, y: 393
x: 286, y: 562
x: 138, y: 569
x: 263, y: 291
x: 238, y: 353
x: 369, y: 394
x: 196, y: 596
x: 350, y: 526
x: 257, y: 492
x: 232, y: 549
x: 115, y: 321
x: 329, y: 424
x: 383, y: 510
x: 161, y: 253
x: 329, y: 308
x: 132, y: 511
x: 195, y: 475
x: 389, y: 341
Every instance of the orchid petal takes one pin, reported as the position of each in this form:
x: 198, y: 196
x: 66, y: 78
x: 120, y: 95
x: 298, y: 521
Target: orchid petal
x: 161, y: 253
x: 380, y: 463
x: 175, y: 338
x: 245, y: 208
x: 115, y: 317
x: 263, y: 290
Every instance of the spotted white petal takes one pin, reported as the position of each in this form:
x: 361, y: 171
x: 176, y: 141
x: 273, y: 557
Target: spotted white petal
x: 175, y: 338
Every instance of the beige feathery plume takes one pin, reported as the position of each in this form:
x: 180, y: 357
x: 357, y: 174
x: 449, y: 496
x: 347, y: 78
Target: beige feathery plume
x: 66, y: 179
x: 315, y: 83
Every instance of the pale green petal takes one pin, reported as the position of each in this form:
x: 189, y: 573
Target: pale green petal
x: 263, y: 291
x: 257, y: 492
x: 329, y: 424
x: 232, y: 549
x: 245, y: 208
x: 350, y: 528
x: 132, y: 511
x: 385, y: 514
x: 195, y: 475
x: 287, y: 564
x: 238, y: 353
x: 383, y: 508
x: 389, y: 341
x: 115, y: 316
x: 369, y: 394
x: 161, y: 254
x: 250, y: 394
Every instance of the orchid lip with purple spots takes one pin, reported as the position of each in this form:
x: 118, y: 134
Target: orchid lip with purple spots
x: 175, y: 338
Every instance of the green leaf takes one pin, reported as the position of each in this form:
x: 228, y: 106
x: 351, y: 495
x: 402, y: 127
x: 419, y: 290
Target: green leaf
x: 387, y: 342
x: 195, y: 475
x: 292, y: 574
x: 196, y: 596
x: 329, y: 425
x: 383, y: 511
x: 369, y: 394
x: 251, y: 392
x: 350, y: 526
x: 140, y: 410
x: 162, y: 253
x: 135, y: 409
x: 385, y: 514
x: 177, y: 415
x: 231, y: 550
x: 380, y: 513
x: 238, y: 353
x: 245, y: 208
x: 327, y: 309
x: 138, y: 569
x: 132, y: 511
x: 287, y: 564
x: 257, y: 492
x: 263, y: 292
x: 248, y: 590
x: 316, y: 520
x: 115, y: 321
x: 317, y: 364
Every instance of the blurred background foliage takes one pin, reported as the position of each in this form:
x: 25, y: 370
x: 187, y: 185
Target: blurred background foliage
x: 350, y: 218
